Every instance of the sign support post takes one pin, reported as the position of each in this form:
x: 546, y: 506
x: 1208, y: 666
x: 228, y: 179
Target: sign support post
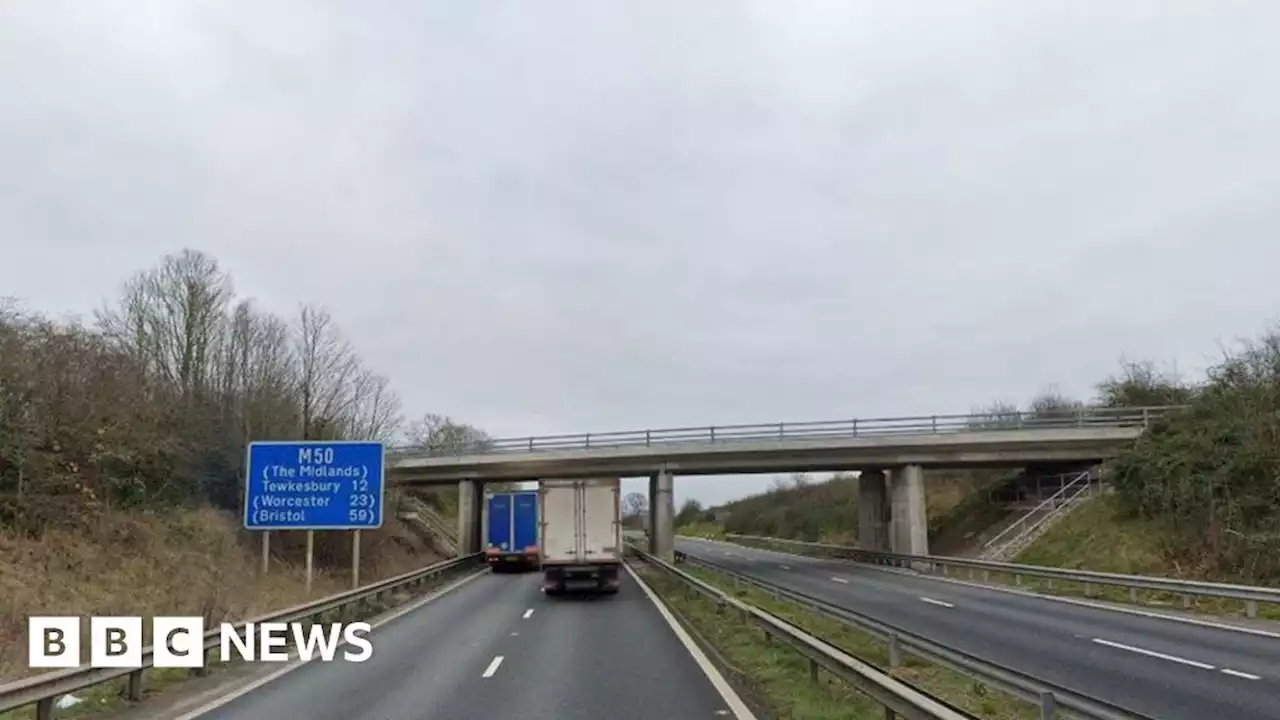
x: 355, y: 559
x: 311, y: 550
x: 314, y: 485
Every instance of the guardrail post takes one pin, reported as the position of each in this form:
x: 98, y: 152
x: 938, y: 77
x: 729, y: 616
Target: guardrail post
x: 530, y: 444
x: 781, y: 430
x: 935, y: 424
x: 1186, y: 602
x: 1251, y: 608
x: 895, y: 651
x: 44, y: 709
x: 588, y: 440
x: 813, y: 671
x: 646, y: 437
x: 1047, y: 703
x: 135, y: 685
x: 855, y: 427
x: 1133, y: 595
x: 1146, y: 418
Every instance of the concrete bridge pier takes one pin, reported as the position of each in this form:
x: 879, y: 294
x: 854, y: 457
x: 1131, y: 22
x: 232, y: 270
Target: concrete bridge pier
x: 662, y: 513
x: 470, y: 511
x: 873, y: 511
x: 909, y: 516
x: 892, y: 516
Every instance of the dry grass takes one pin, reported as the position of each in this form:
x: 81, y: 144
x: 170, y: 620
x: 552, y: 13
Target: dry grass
x: 180, y: 562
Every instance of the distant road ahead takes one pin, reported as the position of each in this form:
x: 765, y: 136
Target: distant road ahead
x: 497, y: 648
x: 1162, y: 668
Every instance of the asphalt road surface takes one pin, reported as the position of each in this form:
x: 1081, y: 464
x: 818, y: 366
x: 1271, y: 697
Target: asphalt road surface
x: 1162, y: 668
x: 497, y: 648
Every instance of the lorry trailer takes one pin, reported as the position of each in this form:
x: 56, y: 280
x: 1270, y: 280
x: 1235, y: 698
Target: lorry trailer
x: 580, y: 545
x: 511, y: 530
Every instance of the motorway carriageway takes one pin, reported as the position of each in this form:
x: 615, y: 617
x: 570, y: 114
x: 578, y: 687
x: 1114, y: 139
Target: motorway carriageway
x: 496, y: 647
x: 1162, y: 668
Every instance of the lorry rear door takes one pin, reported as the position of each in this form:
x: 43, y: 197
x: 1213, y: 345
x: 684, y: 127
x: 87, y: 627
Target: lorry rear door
x: 525, y: 521
x: 499, y: 523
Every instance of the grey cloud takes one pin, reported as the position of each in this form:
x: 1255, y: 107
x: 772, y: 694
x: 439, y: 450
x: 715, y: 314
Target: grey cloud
x: 594, y: 216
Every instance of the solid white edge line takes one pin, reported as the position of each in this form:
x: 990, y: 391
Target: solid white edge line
x: 1082, y: 602
x: 839, y: 580
x: 1154, y: 654
x: 493, y: 667
x: 736, y: 706
x: 527, y: 614
x: 1239, y: 674
x: 297, y: 663
x: 931, y: 601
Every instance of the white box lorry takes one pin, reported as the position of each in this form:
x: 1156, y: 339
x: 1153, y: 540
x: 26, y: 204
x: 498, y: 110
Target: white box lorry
x: 580, y: 546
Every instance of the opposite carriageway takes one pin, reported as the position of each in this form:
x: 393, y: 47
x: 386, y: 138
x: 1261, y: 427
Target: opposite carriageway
x: 1172, y: 669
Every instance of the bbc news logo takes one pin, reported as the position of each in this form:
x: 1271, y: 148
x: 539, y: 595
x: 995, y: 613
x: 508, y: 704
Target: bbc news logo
x: 117, y: 642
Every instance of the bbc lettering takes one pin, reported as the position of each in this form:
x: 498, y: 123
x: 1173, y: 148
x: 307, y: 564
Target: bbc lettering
x: 117, y: 642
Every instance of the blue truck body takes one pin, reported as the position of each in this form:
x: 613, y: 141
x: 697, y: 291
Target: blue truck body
x: 511, y: 530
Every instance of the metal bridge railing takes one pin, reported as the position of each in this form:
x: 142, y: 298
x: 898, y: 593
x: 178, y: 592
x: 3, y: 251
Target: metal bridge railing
x: 1139, y: 417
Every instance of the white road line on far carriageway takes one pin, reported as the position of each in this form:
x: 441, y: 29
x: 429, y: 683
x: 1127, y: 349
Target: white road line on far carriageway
x: 493, y: 666
x: 1176, y: 659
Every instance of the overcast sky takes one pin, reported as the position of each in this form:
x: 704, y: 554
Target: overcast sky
x: 572, y: 216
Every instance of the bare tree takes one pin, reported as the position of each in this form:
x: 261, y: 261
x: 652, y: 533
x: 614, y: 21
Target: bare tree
x: 328, y: 366
x: 634, y: 505
x: 442, y: 435
x: 157, y: 402
x: 376, y: 415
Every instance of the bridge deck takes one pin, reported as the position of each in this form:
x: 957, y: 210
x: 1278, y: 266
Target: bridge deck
x: 953, y: 449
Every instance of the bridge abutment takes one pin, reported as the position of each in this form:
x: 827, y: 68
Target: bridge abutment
x: 662, y: 516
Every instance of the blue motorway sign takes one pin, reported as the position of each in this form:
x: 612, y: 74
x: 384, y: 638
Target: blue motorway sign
x: 314, y: 486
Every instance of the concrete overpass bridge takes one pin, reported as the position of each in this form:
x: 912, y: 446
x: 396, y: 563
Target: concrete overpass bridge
x: 889, y: 453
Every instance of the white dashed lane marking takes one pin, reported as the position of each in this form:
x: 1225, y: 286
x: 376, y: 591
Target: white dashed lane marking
x: 527, y: 613
x: 1154, y: 654
x: 493, y: 667
x: 840, y: 580
x: 1176, y: 659
x: 939, y: 603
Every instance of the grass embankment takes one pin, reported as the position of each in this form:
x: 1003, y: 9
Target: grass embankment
x: 779, y: 679
x: 179, y: 562
x: 1100, y: 536
x: 827, y: 511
